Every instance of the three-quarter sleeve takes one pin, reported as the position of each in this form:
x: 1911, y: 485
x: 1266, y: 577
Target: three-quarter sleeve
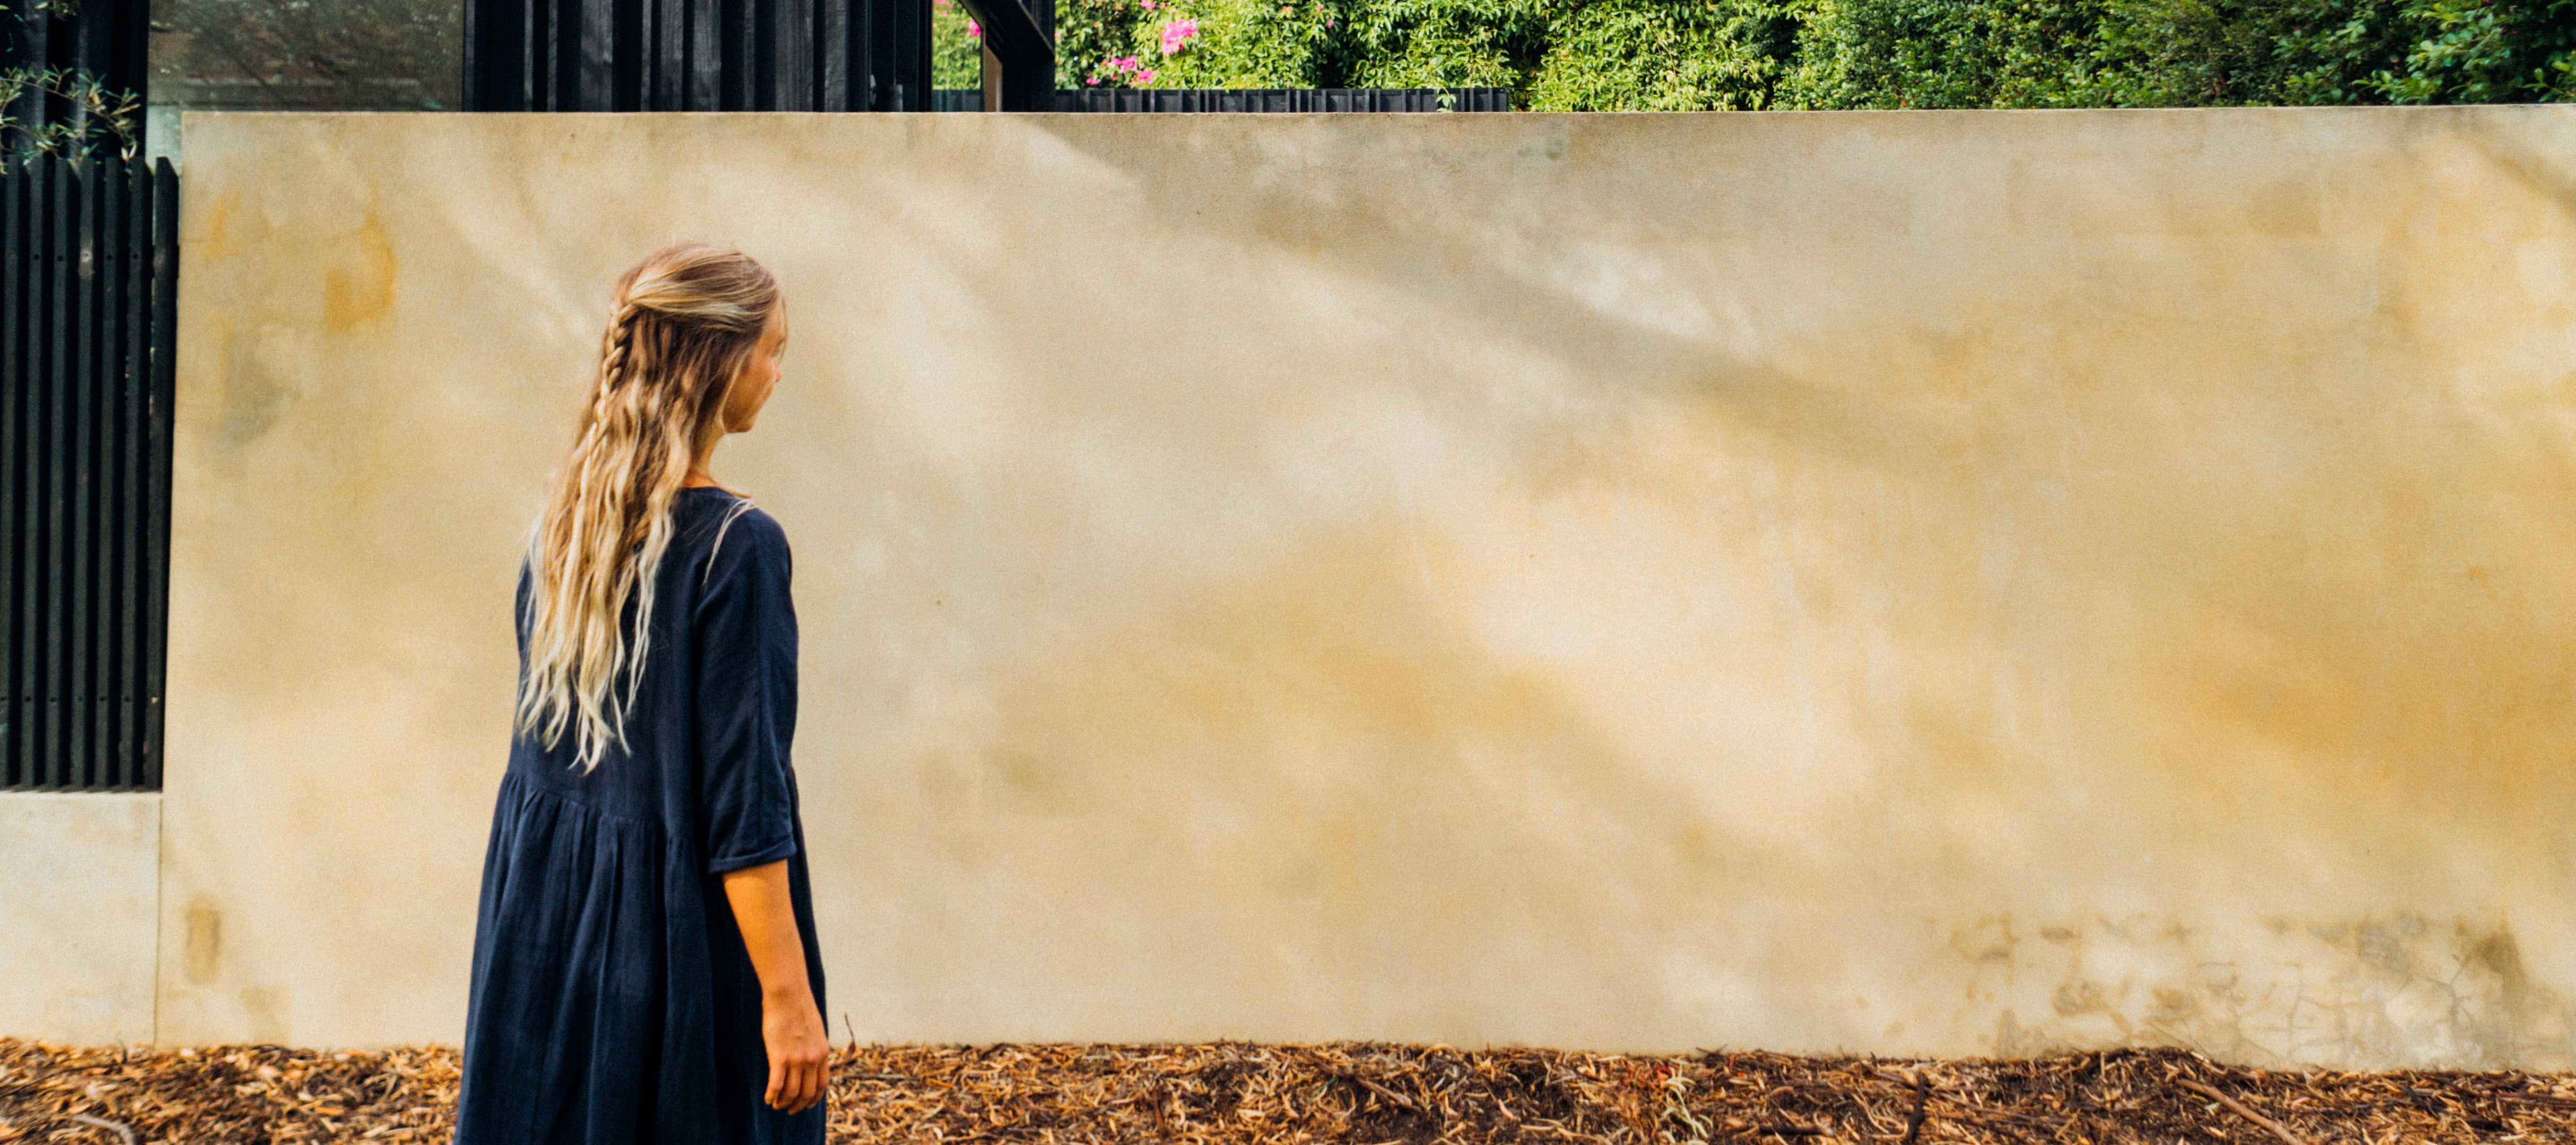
x: 745, y: 631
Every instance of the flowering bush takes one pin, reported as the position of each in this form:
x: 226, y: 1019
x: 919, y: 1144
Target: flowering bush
x: 1606, y: 55
x: 956, y: 47
x: 1124, y: 70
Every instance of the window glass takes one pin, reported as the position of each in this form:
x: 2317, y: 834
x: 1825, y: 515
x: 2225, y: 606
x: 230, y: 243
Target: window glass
x: 308, y: 55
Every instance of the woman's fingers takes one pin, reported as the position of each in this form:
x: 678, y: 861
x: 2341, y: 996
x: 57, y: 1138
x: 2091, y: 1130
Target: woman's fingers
x: 816, y: 1080
x: 796, y: 1081
x: 786, y: 1084
x: 799, y: 1094
x: 791, y: 1029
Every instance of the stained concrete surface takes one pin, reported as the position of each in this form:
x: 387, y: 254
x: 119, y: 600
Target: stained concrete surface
x: 1910, y: 583
x: 79, y: 880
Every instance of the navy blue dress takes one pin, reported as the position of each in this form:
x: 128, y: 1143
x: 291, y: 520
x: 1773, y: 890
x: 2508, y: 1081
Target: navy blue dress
x: 612, y: 998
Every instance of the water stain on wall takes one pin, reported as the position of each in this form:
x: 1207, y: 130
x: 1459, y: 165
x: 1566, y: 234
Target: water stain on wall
x: 358, y: 287
x: 2399, y: 987
x: 268, y: 1009
x: 261, y: 380
x: 203, y: 955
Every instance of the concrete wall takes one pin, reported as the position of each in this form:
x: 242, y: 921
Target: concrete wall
x: 79, y: 889
x: 1912, y: 583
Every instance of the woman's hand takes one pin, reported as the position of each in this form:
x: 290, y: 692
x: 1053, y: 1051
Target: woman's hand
x: 799, y: 1052
x: 790, y: 1026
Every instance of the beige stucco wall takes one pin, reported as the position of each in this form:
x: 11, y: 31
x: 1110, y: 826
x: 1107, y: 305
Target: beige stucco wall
x: 1912, y: 583
x: 79, y: 889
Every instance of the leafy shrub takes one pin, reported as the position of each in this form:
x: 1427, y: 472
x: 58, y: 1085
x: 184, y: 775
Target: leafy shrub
x: 1302, y: 43
x: 1664, y: 55
x: 956, y: 47
x: 1944, y: 53
x: 1659, y: 55
x: 2181, y: 53
x: 1234, y: 43
x: 1441, y: 43
x: 2503, y: 52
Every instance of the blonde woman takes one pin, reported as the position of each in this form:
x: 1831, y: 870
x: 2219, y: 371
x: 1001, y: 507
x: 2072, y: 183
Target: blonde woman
x: 644, y: 958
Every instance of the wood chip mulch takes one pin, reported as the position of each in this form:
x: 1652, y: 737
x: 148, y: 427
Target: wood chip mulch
x: 1229, y: 1093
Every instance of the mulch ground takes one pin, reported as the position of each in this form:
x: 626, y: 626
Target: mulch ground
x: 1239, y: 1093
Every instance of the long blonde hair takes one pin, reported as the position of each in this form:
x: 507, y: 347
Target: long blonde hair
x: 687, y: 321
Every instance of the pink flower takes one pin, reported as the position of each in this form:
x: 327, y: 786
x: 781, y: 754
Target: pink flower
x: 1092, y: 82
x: 1124, y: 63
x: 1178, y: 34
x: 1146, y: 76
x: 973, y: 30
x: 1149, y: 5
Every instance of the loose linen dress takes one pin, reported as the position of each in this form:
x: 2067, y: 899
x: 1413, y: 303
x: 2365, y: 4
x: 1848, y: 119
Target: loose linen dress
x: 612, y: 998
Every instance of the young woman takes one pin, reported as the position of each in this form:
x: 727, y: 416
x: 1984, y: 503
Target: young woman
x: 644, y: 960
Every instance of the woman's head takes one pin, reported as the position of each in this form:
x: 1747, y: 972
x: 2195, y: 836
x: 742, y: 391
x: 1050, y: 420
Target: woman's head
x: 689, y: 322
x: 690, y: 354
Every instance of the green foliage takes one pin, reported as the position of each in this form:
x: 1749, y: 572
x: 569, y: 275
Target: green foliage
x: 2468, y: 52
x: 1666, y: 55
x: 101, y: 119
x: 1088, y: 32
x: 1441, y: 43
x: 2196, y: 53
x: 2181, y: 53
x: 956, y: 57
x: 2083, y: 53
x: 1303, y: 43
x: 1943, y: 53
x: 98, y: 119
x: 1240, y: 43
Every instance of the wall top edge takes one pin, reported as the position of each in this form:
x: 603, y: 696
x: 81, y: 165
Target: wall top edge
x: 65, y: 796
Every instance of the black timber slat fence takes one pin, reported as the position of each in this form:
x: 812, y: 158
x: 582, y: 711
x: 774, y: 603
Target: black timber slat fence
x: 1276, y: 99
x: 697, y: 55
x: 1252, y: 99
x: 89, y: 273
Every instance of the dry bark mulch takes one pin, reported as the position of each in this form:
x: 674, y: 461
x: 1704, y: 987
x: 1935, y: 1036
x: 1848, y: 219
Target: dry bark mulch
x: 1236, y: 1094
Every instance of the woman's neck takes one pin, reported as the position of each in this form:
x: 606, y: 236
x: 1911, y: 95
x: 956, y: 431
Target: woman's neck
x: 702, y: 462
x: 699, y: 476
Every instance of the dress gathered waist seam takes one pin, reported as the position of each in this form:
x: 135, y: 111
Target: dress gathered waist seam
x: 526, y: 788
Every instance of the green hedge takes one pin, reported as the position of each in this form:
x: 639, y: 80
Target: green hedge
x: 1672, y: 55
x: 956, y: 59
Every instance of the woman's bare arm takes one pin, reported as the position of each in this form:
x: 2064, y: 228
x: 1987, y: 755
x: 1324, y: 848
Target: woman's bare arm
x: 790, y: 1026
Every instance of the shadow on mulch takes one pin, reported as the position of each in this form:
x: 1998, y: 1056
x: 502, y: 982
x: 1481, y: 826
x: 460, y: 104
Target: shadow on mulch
x: 1358, y: 1092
